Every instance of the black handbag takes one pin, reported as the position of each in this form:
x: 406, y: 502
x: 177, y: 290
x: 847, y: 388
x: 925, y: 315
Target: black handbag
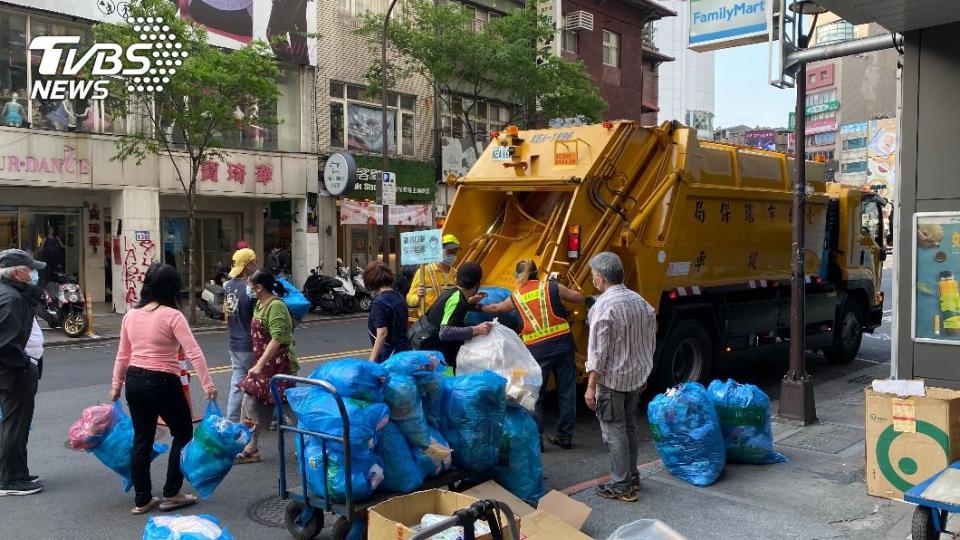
x: 424, y: 335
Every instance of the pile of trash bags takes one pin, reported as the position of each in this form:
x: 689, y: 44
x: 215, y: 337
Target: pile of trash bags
x: 503, y: 352
x: 209, y: 456
x: 475, y: 405
x: 200, y: 527
x: 107, y: 432
x: 697, y: 431
x: 520, y: 469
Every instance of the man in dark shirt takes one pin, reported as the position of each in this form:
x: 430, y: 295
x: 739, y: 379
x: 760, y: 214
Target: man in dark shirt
x: 238, y: 308
x: 446, y: 318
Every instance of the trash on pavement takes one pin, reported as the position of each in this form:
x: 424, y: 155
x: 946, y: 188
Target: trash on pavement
x: 503, y: 352
x: 199, y: 527
x: 353, y: 378
x: 687, y: 434
x: 209, y: 456
x: 909, y: 439
x: 744, y: 413
x: 474, y: 406
x: 397, y: 517
x: 520, y: 468
x: 646, y: 529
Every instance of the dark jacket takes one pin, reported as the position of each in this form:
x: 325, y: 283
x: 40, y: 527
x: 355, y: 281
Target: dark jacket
x: 16, y: 321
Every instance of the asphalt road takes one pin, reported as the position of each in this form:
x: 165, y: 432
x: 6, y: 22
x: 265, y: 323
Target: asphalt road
x: 83, y: 499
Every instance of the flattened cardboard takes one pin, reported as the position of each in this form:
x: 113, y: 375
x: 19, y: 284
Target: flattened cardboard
x: 541, y: 525
x: 393, y: 519
x: 493, y: 490
x: 574, y: 513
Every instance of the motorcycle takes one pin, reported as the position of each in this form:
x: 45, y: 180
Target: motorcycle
x: 212, y: 296
x: 63, y: 305
x: 320, y: 290
x: 364, y: 298
x: 346, y: 288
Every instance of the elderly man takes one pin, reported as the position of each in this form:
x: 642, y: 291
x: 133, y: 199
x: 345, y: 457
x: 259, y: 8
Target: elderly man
x: 623, y: 330
x: 18, y: 374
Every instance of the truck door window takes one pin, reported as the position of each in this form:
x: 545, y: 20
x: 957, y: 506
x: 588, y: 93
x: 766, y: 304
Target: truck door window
x: 870, y: 220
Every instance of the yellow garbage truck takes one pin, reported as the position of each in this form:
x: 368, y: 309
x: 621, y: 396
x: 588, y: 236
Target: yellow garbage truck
x: 703, y: 229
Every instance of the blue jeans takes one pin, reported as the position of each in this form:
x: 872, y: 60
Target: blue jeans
x: 240, y: 361
x: 564, y: 370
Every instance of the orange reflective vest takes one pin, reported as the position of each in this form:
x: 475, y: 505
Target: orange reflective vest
x: 540, y: 321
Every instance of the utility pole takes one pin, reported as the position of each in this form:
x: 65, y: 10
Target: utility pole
x: 386, y: 136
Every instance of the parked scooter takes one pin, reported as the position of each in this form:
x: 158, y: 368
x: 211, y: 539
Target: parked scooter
x: 63, y: 305
x: 363, y: 296
x: 320, y: 291
x: 212, y: 296
x: 346, y: 288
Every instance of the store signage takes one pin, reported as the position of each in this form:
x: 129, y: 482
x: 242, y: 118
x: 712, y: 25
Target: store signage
x: 792, y: 121
x: 403, y: 215
x: 340, y: 174
x: 823, y: 107
x: 824, y: 125
x: 409, y: 187
x: 421, y: 247
x: 720, y: 24
x: 66, y: 164
x: 236, y: 172
x: 856, y: 127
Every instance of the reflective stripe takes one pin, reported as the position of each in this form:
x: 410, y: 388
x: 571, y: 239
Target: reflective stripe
x: 546, y: 332
x: 526, y: 309
x: 541, y: 329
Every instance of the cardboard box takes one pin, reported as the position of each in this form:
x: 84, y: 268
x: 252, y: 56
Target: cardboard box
x: 541, y: 525
x: 394, y: 519
x: 909, y: 439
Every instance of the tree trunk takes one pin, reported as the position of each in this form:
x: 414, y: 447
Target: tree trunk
x: 191, y: 261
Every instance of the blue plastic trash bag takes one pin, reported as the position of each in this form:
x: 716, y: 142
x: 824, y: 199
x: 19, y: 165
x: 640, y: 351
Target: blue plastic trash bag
x: 474, y: 405
x: 436, y: 458
x: 400, y: 471
x: 209, y: 456
x: 406, y: 412
x: 426, y: 368
x: 296, y: 302
x: 366, y: 472
x: 495, y: 295
x: 117, y: 444
x: 744, y: 412
x: 687, y: 434
x: 354, y: 378
x: 520, y: 470
x: 201, y: 527
x: 317, y: 411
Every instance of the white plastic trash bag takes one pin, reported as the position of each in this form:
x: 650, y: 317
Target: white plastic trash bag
x: 503, y: 352
x: 646, y: 529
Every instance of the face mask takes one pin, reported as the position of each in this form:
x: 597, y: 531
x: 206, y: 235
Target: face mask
x: 34, y: 277
x: 449, y: 259
x: 250, y: 292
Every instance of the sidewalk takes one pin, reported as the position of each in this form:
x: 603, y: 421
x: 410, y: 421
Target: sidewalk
x: 106, y: 326
x: 819, y: 494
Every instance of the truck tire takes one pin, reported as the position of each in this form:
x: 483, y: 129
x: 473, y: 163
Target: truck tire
x: 847, y: 332
x: 687, y: 355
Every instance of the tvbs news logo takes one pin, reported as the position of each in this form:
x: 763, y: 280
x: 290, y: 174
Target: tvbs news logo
x: 145, y: 66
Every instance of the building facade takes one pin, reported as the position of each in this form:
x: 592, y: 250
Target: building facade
x: 64, y: 197
x: 687, y: 83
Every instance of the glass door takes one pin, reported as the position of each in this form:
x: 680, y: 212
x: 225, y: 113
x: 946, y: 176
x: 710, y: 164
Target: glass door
x: 54, y: 238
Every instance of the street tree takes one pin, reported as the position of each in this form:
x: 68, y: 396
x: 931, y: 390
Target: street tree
x: 508, y: 59
x: 193, y: 108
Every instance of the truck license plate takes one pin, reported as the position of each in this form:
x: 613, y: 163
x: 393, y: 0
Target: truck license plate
x: 501, y: 153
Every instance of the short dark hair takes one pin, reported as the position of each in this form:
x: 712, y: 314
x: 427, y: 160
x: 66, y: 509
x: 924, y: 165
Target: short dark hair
x: 377, y: 275
x: 161, y: 284
x: 469, y: 275
x: 527, y: 268
x: 268, y: 281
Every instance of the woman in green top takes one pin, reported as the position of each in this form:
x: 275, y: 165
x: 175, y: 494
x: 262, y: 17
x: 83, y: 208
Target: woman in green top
x: 272, y: 333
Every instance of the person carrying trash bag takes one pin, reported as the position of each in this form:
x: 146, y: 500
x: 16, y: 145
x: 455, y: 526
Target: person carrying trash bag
x: 148, y: 365
x: 444, y: 327
x: 210, y: 455
x: 547, y: 334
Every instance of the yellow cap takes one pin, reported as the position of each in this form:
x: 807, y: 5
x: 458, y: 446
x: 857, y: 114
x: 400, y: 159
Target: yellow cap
x: 450, y: 239
x: 241, y: 258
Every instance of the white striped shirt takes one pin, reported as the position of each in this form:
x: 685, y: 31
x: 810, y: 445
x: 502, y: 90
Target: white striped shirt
x: 623, y: 336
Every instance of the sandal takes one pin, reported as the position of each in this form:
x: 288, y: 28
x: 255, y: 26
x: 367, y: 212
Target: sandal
x: 178, y: 501
x: 139, y: 510
x: 610, y: 491
x: 247, y: 457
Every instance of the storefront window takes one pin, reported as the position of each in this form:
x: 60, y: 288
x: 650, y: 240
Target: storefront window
x: 14, y: 87
x: 355, y: 121
x: 215, y: 238
x: 52, y: 235
x: 57, y: 114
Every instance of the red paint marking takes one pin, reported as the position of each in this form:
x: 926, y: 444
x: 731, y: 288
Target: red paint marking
x: 583, y: 486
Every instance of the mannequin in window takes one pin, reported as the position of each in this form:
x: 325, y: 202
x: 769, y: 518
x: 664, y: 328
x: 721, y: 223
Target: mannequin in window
x: 64, y: 118
x: 13, y: 112
x: 256, y: 132
x: 238, y: 117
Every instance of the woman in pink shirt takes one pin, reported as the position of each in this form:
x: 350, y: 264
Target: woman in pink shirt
x: 147, y: 362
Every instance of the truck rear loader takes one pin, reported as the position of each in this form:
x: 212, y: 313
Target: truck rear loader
x: 703, y: 229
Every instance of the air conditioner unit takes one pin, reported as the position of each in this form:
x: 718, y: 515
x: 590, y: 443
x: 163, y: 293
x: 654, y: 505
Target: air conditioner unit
x: 577, y: 21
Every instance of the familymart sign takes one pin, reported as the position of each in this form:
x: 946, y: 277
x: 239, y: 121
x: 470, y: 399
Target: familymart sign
x: 718, y: 24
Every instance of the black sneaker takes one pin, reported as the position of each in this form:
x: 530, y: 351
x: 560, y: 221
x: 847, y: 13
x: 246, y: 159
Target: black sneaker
x: 563, y: 442
x: 19, y: 488
x: 33, y: 479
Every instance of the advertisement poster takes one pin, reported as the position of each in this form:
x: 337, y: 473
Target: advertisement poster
x: 882, y: 154
x: 936, y: 300
x: 765, y: 139
x: 366, y: 128
x: 230, y: 23
x: 364, y: 213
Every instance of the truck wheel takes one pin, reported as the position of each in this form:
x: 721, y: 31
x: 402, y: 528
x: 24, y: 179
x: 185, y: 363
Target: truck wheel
x: 923, y: 527
x: 687, y: 355
x: 847, y: 333
x: 297, y: 527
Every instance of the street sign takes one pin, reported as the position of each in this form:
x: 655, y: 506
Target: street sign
x: 141, y: 236
x: 340, y: 174
x: 421, y: 247
x: 721, y: 24
x: 389, y: 188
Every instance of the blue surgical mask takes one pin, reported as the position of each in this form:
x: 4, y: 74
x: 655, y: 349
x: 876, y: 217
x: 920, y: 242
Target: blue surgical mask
x: 34, y: 277
x: 449, y: 259
x: 250, y: 293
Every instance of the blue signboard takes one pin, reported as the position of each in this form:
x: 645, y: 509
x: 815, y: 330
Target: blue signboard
x: 421, y: 247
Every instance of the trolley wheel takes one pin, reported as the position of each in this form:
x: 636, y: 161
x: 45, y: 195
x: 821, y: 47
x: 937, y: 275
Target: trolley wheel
x: 923, y: 526
x: 298, y: 528
x: 340, y: 529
